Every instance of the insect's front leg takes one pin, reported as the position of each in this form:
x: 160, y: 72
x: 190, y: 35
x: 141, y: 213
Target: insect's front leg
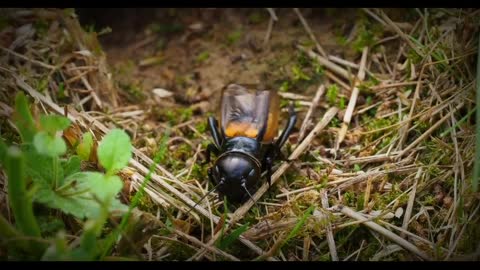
x: 292, y: 120
x: 211, y: 148
x: 211, y: 177
x: 269, y: 165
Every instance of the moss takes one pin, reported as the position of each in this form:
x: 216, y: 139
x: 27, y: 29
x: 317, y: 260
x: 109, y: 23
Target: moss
x: 42, y: 84
x: 202, y: 57
x: 335, y: 122
x: 198, y: 171
x: 173, y: 116
x: 201, y: 126
x: 145, y: 203
x: 299, y: 74
x: 234, y: 37
x: 364, y: 38
x: 350, y: 198
x: 41, y: 27
x: 179, y: 251
x: 256, y: 17
x: 164, y: 29
x: 285, y: 86
x: 414, y: 57
x: 429, y: 200
x: 133, y: 91
x: 332, y: 94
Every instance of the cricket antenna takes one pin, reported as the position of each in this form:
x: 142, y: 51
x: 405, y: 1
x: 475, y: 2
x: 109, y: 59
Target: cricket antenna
x: 202, y: 198
x: 249, y: 195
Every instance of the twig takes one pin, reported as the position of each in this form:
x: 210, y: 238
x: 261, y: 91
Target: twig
x: 36, y: 62
x: 327, y: 63
x: 293, y: 96
x: 373, y: 15
x: 310, y: 33
x: 269, y: 32
x: 272, y: 14
x: 273, y: 19
x: 354, y: 179
x: 344, y: 62
x: 400, y: 33
x: 413, y: 236
x: 271, y: 252
x: 200, y: 244
x: 307, y: 240
x: 306, y: 120
x: 411, y: 200
x: 337, y: 80
x: 330, y: 239
x: 353, y: 100
x: 390, y: 235
x: 429, y: 131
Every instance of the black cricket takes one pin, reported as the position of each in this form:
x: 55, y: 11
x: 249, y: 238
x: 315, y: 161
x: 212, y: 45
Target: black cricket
x: 241, y: 161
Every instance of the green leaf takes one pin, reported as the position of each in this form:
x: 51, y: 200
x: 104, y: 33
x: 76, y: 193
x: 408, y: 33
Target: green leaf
x: 72, y: 165
x: 54, y: 123
x: 228, y: 241
x: 84, y: 149
x: 40, y: 167
x: 82, y: 195
x: 23, y: 118
x: 49, y: 145
x: 50, y: 225
x: 300, y: 223
x: 356, y: 168
x: 3, y: 152
x: 114, y: 151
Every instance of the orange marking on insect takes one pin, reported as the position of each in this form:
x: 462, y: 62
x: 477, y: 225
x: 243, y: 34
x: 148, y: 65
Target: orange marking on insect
x: 241, y: 129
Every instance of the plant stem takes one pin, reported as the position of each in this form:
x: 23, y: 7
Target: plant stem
x: 55, y: 172
x: 476, y: 170
x: 20, y: 202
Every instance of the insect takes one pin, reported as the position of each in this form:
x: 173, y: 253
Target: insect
x: 244, y: 140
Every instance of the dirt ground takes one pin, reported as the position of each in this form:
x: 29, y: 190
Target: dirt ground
x: 212, y: 47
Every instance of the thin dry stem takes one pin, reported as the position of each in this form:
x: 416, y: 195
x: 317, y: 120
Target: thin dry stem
x: 374, y: 226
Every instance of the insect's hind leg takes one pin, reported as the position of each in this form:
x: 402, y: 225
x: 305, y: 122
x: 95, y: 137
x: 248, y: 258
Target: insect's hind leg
x: 292, y: 120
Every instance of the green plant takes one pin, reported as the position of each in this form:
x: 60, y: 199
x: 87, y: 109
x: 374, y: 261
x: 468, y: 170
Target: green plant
x: 43, y: 172
x: 332, y: 94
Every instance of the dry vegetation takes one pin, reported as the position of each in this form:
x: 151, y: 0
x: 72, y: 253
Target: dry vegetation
x: 381, y: 160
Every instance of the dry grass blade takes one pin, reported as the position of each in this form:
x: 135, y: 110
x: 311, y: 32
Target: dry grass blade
x: 306, y: 120
x: 401, y: 33
x: 327, y: 63
x: 310, y: 33
x: 36, y: 62
x: 411, y: 200
x: 330, y: 238
x: 429, y: 131
x: 353, y: 100
x: 374, y: 226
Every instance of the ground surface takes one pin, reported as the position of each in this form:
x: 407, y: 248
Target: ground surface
x: 395, y: 165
